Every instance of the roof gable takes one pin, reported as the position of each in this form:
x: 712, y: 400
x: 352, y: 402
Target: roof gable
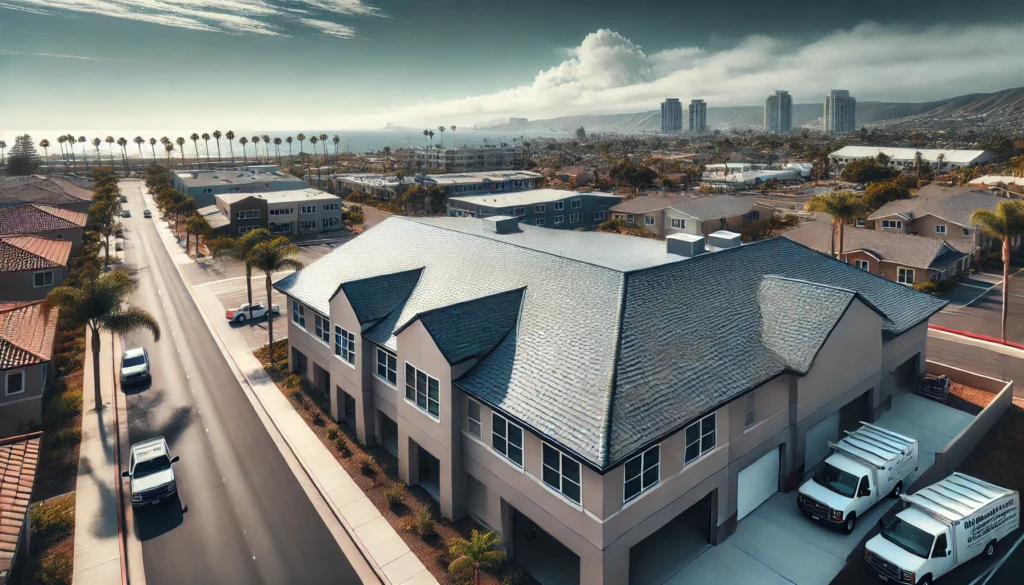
x: 27, y: 252
x: 27, y: 332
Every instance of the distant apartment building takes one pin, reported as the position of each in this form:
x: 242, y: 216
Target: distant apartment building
x: 203, y: 184
x: 698, y: 117
x: 541, y: 207
x: 386, y: 187
x: 671, y: 116
x: 464, y: 158
x: 840, y: 112
x: 289, y: 213
x: 940, y: 159
x: 665, y: 216
x: 778, y: 112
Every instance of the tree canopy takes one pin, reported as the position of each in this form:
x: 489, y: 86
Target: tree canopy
x: 23, y: 158
x: 867, y: 170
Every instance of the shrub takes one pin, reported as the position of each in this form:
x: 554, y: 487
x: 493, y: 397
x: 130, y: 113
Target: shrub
x: 514, y: 576
x: 426, y: 526
x: 64, y: 438
x: 53, y: 520
x: 55, y: 567
x: 332, y: 433
x: 395, y: 495
x: 341, y: 443
x: 366, y: 465
x: 318, y: 419
x: 441, y: 558
x: 293, y: 382
x: 927, y: 286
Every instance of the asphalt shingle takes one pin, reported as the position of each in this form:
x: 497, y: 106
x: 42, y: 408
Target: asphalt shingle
x: 904, y: 249
x: 953, y: 204
x: 714, y: 206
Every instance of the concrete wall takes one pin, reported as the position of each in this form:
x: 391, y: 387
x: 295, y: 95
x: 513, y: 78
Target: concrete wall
x: 20, y: 286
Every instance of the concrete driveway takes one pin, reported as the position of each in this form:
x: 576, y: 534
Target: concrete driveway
x: 777, y: 544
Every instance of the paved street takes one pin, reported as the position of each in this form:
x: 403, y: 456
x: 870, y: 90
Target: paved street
x: 373, y: 216
x: 243, y: 517
x: 977, y: 356
x: 976, y: 306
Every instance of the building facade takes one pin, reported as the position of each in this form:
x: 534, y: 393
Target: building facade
x: 204, y: 185
x: 290, y: 213
x: 489, y: 364
x: 671, y: 116
x: 840, y: 112
x: 665, y: 216
x: 27, y: 331
x: 31, y: 266
x: 386, y: 187
x: 464, y: 158
x: 698, y: 117
x: 55, y: 223
x: 940, y: 159
x: 778, y: 112
x: 551, y: 208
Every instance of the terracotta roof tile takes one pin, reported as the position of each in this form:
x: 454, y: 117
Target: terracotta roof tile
x: 26, y: 338
x: 27, y: 219
x: 42, y: 190
x: 27, y: 252
x: 18, y: 456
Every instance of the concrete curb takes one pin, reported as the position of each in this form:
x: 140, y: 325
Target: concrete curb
x: 977, y: 336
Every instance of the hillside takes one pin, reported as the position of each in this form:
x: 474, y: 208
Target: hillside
x: 999, y: 110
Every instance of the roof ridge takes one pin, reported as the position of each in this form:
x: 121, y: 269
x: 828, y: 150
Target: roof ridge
x: 609, y: 402
x: 422, y: 314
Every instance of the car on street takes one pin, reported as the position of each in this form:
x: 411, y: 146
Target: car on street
x: 126, y: 213
x: 135, y: 366
x: 150, y: 471
x: 123, y: 199
x: 147, y: 213
x: 240, y: 314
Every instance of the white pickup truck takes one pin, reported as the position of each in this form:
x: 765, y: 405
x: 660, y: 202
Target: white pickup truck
x: 242, y: 313
x: 150, y: 472
x: 945, y: 525
x: 864, y: 467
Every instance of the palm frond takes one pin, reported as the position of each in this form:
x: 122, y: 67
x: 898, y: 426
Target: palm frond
x: 131, y: 319
x: 460, y: 565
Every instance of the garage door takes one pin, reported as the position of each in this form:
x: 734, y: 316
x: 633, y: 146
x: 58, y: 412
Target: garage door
x: 757, y: 483
x: 816, y: 446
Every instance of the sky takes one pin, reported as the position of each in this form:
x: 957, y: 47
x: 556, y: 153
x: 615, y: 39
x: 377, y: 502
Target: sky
x: 73, y: 65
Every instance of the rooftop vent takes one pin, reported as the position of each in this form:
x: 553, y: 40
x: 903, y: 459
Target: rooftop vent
x: 723, y: 239
x: 502, y: 224
x: 688, y: 245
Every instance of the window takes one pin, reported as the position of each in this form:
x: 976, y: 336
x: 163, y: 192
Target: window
x: 559, y: 205
x: 967, y: 232
x: 245, y: 229
x: 648, y: 220
x: 344, y: 344
x: 541, y: 221
x: 473, y: 418
x: 892, y: 224
x: 723, y: 223
x: 750, y: 411
x: 862, y: 264
x: 576, y: 203
x: 331, y: 222
x: 298, y: 314
x: 561, y: 473
x: 940, y: 546
x: 559, y: 219
x: 286, y: 211
x: 630, y: 219
x: 574, y: 218
x: 507, y: 439
x: 600, y: 215
x: 15, y: 382
x: 323, y: 328
x: 904, y: 275
x: 679, y: 224
x: 700, y: 438
x: 331, y: 207
x: 940, y: 229
x: 281, y: 228
x: 42, y: 278
x: 754, y: 215
x: 538, y: 208
x: 423, y: 390
x: 307, y: 209
x: 641, y: 473
x: 248, y: 214
x: 307, y: 225
x: 387, y: 366
x: 519, y: 211
x: 861, y: 222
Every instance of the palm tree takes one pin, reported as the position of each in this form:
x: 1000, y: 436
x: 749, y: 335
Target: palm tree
x: 238, y: 250
x: 453, y: 135
x: 289, y: 141
x: 313, y: 140
x: 302, y: 138
x: 74, y: 155
x: 198, y: 227
x: 96, y: 144
x: 1006, y: 223
x: 110, y: 147
x: 169, y: 147
x: 256, y: 148
x: 3, y: 146
x: 266, y: 145
x: 268, y: 258
x: 216, y: 136
x: 181, y: 149
x: 841, y: 206
x: 206, y: 139
x: 277, y: 149
x: 231, y: 136
x: 61, y: 140
x: 336, y: 140
x: 123, y: 143
x: 441, y: 129
x: 152, y: 147
x: 426, y: 133
x: 243, y: 141
x: 194, y: 137
x: 45, y: 145
x: 82, y: 140
x: 323, y: 141
x: 102, y: 304
x: 475, y: 554
x: 430, y: 133
x: 139, y: 141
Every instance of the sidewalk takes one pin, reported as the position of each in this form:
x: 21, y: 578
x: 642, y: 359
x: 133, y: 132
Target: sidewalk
x: 97, y: 546
x: 381, y: 546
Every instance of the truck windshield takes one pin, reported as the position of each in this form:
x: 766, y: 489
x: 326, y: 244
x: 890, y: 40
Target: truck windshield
x: 908, y: 537
x: 151, y: 466
x: 835, y: 479
x: 135, y: 360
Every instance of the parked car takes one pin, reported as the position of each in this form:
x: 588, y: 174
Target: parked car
x: 240, y: 314
x: 151, y: 473
x: 118, y: 246
x: 123, y: 199
x: 135, y: 366
x: 864, y: 467
x: 147, y: 213
x: 945, y: 525
x: 126, y: 213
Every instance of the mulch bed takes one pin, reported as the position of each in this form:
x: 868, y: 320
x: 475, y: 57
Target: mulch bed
x: 968, y: 399
x: 314, y: 408
x: 996, y: 459
x: 58, y: 456
x: 51, y: 556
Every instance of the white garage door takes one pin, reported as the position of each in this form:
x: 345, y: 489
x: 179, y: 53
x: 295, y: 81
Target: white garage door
x: 816, y: 446
x: 757, y: 483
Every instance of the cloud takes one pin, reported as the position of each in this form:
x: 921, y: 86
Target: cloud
x: 608, y: 73
x: 261, y: 17
x: 53, y: 55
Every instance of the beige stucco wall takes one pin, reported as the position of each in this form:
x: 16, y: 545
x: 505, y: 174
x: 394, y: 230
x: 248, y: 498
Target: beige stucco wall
x: 897, y: 351
x: 18, y: 411
x: 18, y: 286
x: 873, y: 263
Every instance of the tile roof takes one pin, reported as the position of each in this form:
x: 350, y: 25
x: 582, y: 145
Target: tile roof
x: 714, y: 206
x: 27, y: 331
x: 42, y: 190
x: 19, y: 457
x: 905, y: 249
x: 597, y: 352
x: 27, y: 219
x: 644, y: 204
x: 953, y: 204
x: 27, y: 252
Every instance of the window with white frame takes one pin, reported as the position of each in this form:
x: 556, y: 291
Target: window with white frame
x: 507, y: 439
x: 248, y: 214
x: 245, y: 229
x: 538, y: 208
x: 298, y: 314
x: 559, y: 205
x: 754, y: 215
x: 307, y: 225
x: 540, y: 221
x: 559, y: 219
x: 519, y: 211
x: 600, y: 215
x: 285, y: 211
x: 967, y: 232
x: 330, y: 207
x: 331, y: 222
x: 15, y: 382
x: 323, y: 328
x: 749, y: 411
x: 648, y: 220
x: 892, y: 224
x: 423, y: 390
x: 940, y: 229
x: 862, y: 264
x: 387, y: 366
x: 700, y: 438
x: 574, y: 218
x: 904, y: 275
x: 345, y: 344
x: 861, y: 222
x: 281, y: 228
x: 307, y: 209
x: 679, y: 224
x: 641, y: 473
x: 561, y: 473
x: 42, y: 278
x: 576, y: 203
x: 473, y: 418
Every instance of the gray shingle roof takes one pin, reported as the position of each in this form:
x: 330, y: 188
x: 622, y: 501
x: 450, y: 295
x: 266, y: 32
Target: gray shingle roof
x: 904, y: 249
x: 644, y: 204
x: 953, y: 204
x: 714, y: 206
x: 598, y: 351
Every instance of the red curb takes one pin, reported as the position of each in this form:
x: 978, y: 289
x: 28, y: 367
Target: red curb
x: 977, y: 336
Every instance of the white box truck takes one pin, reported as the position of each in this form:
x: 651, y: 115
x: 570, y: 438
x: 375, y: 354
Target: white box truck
x: 944, y: 525
x: 864, y: 467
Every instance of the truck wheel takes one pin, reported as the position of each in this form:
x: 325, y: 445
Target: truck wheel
x: 990, y: 549
x: 925, y: 581
x: 241, y: 318
x: 850, y: 524
x: 896, y: 491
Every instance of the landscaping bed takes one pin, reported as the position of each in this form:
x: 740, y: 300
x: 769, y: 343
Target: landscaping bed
x: 51, y: 555
x: 410, y: 510
x: 968, y: 399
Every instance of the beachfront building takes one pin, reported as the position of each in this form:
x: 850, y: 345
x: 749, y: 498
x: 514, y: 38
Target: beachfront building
x: 386, y: 187
x: 940, y: 159
x: 541, y: 207
x: 464, y: 158
x: 204, y: 184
